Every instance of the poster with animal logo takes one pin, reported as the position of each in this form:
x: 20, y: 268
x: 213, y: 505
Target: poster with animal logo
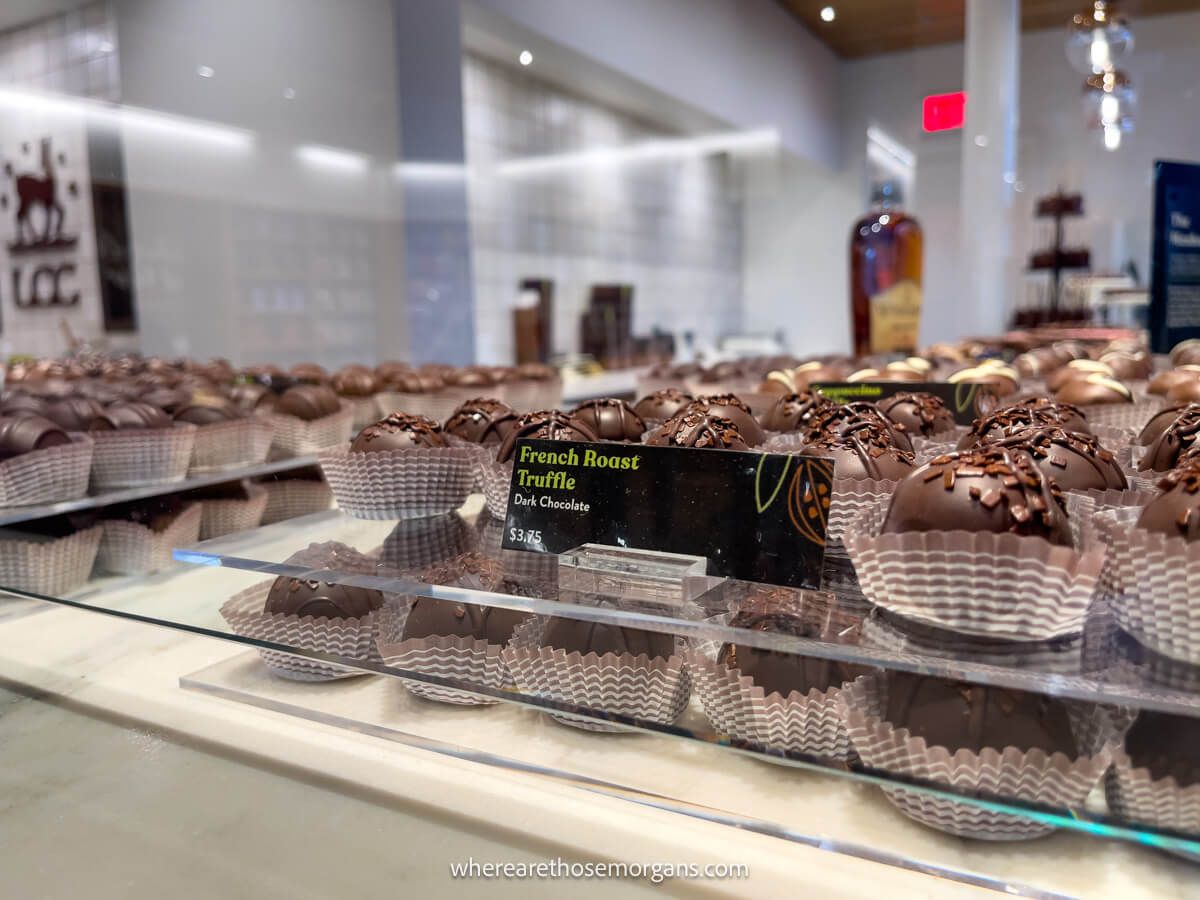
x: 49, y: 285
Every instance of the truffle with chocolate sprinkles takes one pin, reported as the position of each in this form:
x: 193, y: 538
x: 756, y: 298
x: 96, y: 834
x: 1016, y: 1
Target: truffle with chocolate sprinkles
x: 694, y: 428
x: 546, y: 425
x: 734, y: 408
x: 1076, y: 462
x: 1176, y: 440
x: 995, y: 489
x: 398, y: 432
x: 1176, y: 511
x: 917, y: 413
x: 1001, y: 423
x: 794, y: 412
x: 863, y: 449
x: 831, y: 421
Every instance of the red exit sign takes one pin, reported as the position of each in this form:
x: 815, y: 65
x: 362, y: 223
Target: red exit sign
x: 944, y: 112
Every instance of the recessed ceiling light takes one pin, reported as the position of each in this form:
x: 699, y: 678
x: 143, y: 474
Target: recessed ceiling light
x: 105, y: 47
x: 205, y: 71
x: 525, y: 58
x: 289, y: 93
x: 828, y: 14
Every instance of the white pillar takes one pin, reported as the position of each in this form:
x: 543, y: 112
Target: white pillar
x: 989, y: 153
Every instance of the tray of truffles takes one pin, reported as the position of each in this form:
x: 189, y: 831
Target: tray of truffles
x: 1003, y: 625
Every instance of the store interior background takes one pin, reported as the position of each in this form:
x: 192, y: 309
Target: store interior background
x: 358, y: 180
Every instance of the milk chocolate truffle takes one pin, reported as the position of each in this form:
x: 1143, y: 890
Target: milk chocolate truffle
x: 863, y: 449
x: 417, y: 383
x: 310, y: 373
x: 1002, y: 379
x: 1077, y: 369
x: 1186, y: 352
x: 292, y: 597
x: 1000, y: 424
x: 961, y: 716
x: 1094, y: 390
x: 1175, y: 512
x: 576, y: 636
x: 209, y: 413
x: 544, y: 424
x: 481, y: 421
x: 1176, y: 439
x: 1162, y: 383
x: 399, y: 432
x: 388, y: 371
x: 1160, y: 421
x: 610, y: 419
x: 1128, y: 365
x: 1186, y: 391
x: 732, y: 407
x: 354, y: 381
x: 780, y: 612
x: 722, y: 371
x: 795, y: 412
x: 308, y: 402
x: 536, y: 372
x: 661, y: 405
x: 693, y: 428
x: 24, y: 404
x: 836, y: 418
x: 126, y: 414
x: 472, y: 376
x: 917, y: 413
x: 24, y: 433
x: 1076, y: 462
x: 77, y: 414
x: 1167, y: 745
x: 987, y: 489
x: 1068, y: 416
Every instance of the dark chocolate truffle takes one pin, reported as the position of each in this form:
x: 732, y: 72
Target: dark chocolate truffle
x: 1076, y: 462
x: 292, y: 597
x: 543, y: 424
x: 1011, y: 419
x: 132, y: 414
x: 781, y: 612
x: 354, y: 381
x: 209, y: 413
x: 661, y: 405
x: 156, y: 513
x: 1167, y: 745
x: 1175, y: 440
x: 831, y: 421
x: 481, y: 421
x: 961, y: 716
x: 988, y: 489
x: 918, y: 413
x: 446, y: 618
x: 24, y: 433
x: 863, y: 449
x: 308, y: 402
x: 399, y: 432
x: 472, y: 376
x: 732, y: 407
x: 576, y: 636
x: 794, y: 412
x: 417, y: 382
x: 693, y: 428
x: 610, y: 419
x: 1175, y: 512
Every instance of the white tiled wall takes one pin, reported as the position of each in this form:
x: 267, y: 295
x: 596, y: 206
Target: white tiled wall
x: 72, y: 53
x: 671, y: 229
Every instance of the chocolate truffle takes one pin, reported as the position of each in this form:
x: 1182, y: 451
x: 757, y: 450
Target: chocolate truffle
x: 24, y: 404
x: 1186, y: 391
x: 209, y: 413
x: 693, y: 428
x: 77, y: 414
x: 661, y: 405
x: 24, y: 433
x: 126, y: 414
x: 1160, y: 421
x: 732, y: 407
x: 308, y: 402
x: 472, y: 376
x: 399, y: 432
x: 1074, y: 370
x: 417, y: 382
x: 1011, y: 419
x: 481, y: 421
x: 310, y: 373
x: 387, y: 372
x: 1002, y: 379
x: 1064, y: 414
x: 292, y: 597
x: 836, y: 418
x: 961, y: 716
x: 863, y: 449
x: 1093, y: 390
x: 610, y: 419
x: 544, y: 424
x: 1162, y: 383
x: 536, y: 372
x: 987, y: 489
x: 781, y: 612
x: 168, y: 399
x: 1129, y: 365
x: 156, y: 513
x: 917, y: 413
x: 1186, y: 352
x: 1175, y: 440
x: 446, y: 618
x: 794, y: 412
x: 250, y: 395
x: 1076, y: 462
x: 1167, y: 745
x: 576, y: 636
x: 1175, y: 512
x: 354, y: 381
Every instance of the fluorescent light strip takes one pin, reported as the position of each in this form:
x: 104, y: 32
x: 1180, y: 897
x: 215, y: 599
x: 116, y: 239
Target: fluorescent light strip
x: 891, y: 147
x: 332, y: 158
x: 131, y: 118
x: 430, y: 171
x: 660, y: 149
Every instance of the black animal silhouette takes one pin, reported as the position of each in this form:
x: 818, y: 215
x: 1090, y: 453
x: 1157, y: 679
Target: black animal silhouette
x: 34, y: 191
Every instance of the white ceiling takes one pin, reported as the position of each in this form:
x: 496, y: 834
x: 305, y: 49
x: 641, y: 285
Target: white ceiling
x: 20, y: 12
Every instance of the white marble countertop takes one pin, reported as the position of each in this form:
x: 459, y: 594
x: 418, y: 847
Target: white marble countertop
x: 246, y: 776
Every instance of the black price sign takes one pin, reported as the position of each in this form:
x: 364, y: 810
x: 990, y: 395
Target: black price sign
x: 754, y: 516
x: 966, y: 402
x: 1175, y: 268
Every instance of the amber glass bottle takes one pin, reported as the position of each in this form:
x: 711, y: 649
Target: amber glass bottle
x: 885, y: 276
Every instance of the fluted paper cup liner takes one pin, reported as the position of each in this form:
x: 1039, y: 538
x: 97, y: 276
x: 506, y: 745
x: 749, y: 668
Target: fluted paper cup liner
x: 348, y: 638
x: 437, y: 406
x: 416, y: 544
x: 408, y: 483
x: 1034, y: 776
x: 141, y: 456
x: 1084, y: 506
x: 296, y: 437
x: 1112, y: 437
x: 222, y: 517
x: 851, y: 498
x: 130, y: 548
x: 531, y: 574
x: 497, y: 479
x: 47, y: 476
x: 294, y: 497
x: 999, y: 585
x: 1124, y: 415
x: 1134, y: 794
x: 462, y: 659
x: 926, y: 448
x: 49, y: 567
x: 231, y: 445
x: 656, y: 690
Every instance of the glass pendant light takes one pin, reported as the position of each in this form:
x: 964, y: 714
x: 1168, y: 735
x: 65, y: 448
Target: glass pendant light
x: 1098, y: 38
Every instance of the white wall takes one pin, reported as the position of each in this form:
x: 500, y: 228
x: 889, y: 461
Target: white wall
x: 241, y: 248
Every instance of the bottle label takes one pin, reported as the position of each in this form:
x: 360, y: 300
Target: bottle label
x: 896, y: 318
